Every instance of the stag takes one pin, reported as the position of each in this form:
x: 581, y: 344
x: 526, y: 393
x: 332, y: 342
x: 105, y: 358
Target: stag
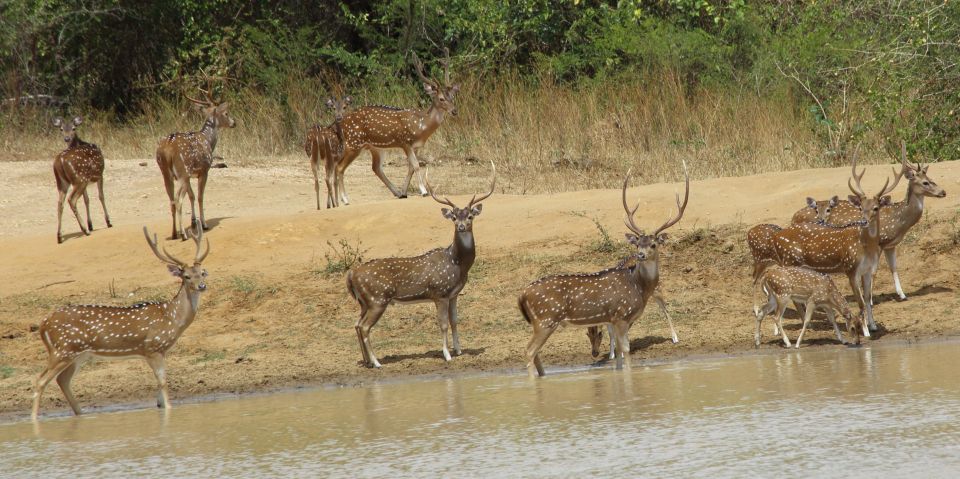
x: 437, y: 275
x: 782, y: 284
x: 78, y: 165
x: 74, y: 334
x: 614, y: 296
x: 182, y: 156
x: 376, y: 128
x: 326, y: 143
x: 852, y: 249
x: 897, y: 218
x: 760, y: 237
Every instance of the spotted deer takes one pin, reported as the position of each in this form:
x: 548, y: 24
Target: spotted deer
x: 77, y: 166
x: 182, y: 156
x: 783, y: 284
x: 377, y: 128
x: 897, y: 218
x: 326, y: 143
x: 760, y: 237
x: 853, y: 249
x: 437, y: 275
x: 74, y: 334
x: 614, y: 296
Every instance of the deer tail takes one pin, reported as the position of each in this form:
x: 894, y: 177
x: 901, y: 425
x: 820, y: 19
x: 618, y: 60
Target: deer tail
x: 524, y: 308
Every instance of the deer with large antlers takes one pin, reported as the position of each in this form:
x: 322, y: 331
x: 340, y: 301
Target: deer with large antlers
x: 326, y: 143
x: 852, y: 249
x: 377, y: 128
x: 74, y: 334
x: 182, y: 156
x: 897, y: 218
x: 760, y: 237
x: 437, y: 275
x: 77, y: 166
x: 615, y: 296
x: 782, y: 284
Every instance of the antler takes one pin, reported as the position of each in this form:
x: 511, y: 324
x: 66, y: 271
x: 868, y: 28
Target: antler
x: 165, y: 257
x: 680, y: 207
x: 419, y: 69
x: 443, y: 201
x: 628, y: 218
x: 446, y: 66
x: 493, y: 184
x: 198, y: 258
x: 209, y: 101
x: 856, y: 178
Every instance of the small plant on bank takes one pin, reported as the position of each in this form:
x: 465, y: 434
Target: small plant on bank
x: 341, y: 256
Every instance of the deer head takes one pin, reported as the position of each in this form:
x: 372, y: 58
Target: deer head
x: 192, y: 276
x: 441, y: 94
x: 69, y: 129
x: 647, y: 244
x: 823, y: 212
x: 917, y: 176
x: 869, y: 206
x: 463, y: 217
x: 212, y: 110
x: 338, y: 107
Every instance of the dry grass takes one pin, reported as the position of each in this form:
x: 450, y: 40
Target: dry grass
x: 544, y: 137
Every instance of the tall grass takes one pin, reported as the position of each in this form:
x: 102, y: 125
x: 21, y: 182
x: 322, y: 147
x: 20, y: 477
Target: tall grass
x: 546, y: 137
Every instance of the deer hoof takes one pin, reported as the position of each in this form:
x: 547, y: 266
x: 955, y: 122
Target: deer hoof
x: 109, y: 225
x: 402, y: 197
x: 59, y: 240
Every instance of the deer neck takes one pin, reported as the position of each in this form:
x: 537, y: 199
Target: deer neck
x: 429, y: 121
x: 463, y: 250
x: 870, y: 234
x: 647, y: 275
x: 911, y: 210
x: 183, y: 308
x: 209, y: 131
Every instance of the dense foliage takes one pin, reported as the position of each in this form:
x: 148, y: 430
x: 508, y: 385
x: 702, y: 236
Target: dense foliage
x: 887, y: 66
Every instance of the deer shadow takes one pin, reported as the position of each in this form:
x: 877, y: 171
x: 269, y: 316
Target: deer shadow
x: 436, y: 354
x: 636, y: 345
x: 70, y: 236
x: 923, y: 291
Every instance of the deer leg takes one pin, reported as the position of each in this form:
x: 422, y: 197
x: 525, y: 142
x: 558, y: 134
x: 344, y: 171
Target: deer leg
x: 413, y: 167
x: 157, y: 363
x: 86, y: 205
x: 782, y: 308
x: 832, y: 317
x: 806, y: 320
x: 868, y: 299
x: 453, y: 326
x: 858, y: 295
x: 613, y: 342
x: 103, y: 204
x: 891, y: 255
x: 761, y: 313
x: 663, y: 308
x: 63, y: 196
x: 201, y: 188
x: 623, y: 344
x: 366, y: 323
x: 63, y: 380
x: 443, y: 318
x: 539, y: 338
x: 53, y: 370
x: 168, y: 186
x: 340, y: 170
x: 178, y: 216
x: 72, y: 200
x: 378, y: 170
x: 315, y: 168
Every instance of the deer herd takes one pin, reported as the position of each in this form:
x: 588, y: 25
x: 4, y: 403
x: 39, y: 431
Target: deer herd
x: 792, y: 264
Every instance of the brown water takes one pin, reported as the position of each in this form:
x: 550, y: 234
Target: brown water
x: 833, y: 412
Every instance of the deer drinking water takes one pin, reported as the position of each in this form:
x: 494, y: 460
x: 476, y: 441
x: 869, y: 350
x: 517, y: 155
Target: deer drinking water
x: 897, y: 218
x: 182, y: 156
x: 326, y: 143
x: 615, y: 296
x: 377, y: 128
x: 77, y: 166
x: 74, y: 334
x: 437, y: 275
x: 782, y: 284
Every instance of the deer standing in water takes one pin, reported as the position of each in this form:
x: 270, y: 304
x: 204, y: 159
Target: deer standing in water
x: 182, y: 156
x: 760, y: 237
x: 782, y: 284
x: 437, y: 275
x: 77, y: 166
x: 615, y: 296
x: 326, y: 143
x: 897, y: 218
x: 852, y: 249
x: 377, y: 128
x: 74, y: 334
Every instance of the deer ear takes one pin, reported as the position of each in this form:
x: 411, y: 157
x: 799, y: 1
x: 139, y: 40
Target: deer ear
x: 347, y: 101
x: 475, y: 211
x: 57, y: 122
x: 329, y: 103
x: 909, y: 173
x: 454, y: 89
x: 175, y: 270
x: 429, y: 88
x: 223, y: 107
x: 886, y: 201
x: 854, y: 199
x: 812, y: 203
x: 77, y: 120
x: 834, y: 201
x: 448, y: 214
x: 632, y: 239
x: 662, y: 238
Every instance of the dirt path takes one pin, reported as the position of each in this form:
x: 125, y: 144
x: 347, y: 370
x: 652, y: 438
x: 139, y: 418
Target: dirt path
x: 274, y: 318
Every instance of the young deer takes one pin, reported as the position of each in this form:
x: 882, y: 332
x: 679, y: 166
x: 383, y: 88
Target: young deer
x: 182, y: 156
x: 760, y: 237
x: 326, y: 143
x: 80, y: 164
x: 782, y: 284
x: 853, y: 249
x: 897, y: 218
x: 437, y: 275
x: 74, y: 334
x: 377, y: 128
x: 615, y: 296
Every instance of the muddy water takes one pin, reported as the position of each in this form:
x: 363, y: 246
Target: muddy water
x: 833, y: 412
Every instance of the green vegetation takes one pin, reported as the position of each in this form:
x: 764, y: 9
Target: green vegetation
x: 6, y: 371
x: 743, y: 85
x: 341, y: 257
